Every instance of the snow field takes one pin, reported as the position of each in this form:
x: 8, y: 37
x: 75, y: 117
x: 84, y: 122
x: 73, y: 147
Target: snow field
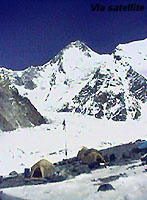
x: 23, y: 147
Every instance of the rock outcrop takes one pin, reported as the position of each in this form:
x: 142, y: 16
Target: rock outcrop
x: 15, y: 110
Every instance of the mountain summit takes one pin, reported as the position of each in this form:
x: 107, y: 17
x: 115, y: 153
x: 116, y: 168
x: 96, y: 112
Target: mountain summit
x: 79, y: 80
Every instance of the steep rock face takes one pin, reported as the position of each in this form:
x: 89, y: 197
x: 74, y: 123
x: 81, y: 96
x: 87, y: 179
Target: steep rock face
x: 15, y: 110
x: 137, y: 85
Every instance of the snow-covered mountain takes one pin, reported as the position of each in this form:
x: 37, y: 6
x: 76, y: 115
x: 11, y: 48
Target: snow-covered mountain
x: 50, y: 85
x: 79, y: 80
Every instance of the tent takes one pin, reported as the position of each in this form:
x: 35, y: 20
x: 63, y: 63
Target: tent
x: 42, y: 169
x: 82, y: 152
x: 89, y: 156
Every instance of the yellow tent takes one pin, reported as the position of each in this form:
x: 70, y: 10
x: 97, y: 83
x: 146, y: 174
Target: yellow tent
x: 88, y: 156
x: 42, y: 169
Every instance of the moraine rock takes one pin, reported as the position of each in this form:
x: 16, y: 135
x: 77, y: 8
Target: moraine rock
x: 105, y: 187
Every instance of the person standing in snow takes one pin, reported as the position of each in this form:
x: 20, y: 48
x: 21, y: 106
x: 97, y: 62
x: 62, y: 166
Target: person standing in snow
x: 64, y: 125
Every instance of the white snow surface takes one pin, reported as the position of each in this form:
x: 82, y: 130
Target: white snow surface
x: 134, y: 53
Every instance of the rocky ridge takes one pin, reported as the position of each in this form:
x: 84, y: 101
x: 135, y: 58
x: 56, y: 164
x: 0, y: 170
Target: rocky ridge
x: 16, y: 111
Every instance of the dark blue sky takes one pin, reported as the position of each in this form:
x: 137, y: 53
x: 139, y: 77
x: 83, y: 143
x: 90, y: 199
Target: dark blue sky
x: 34, y: 31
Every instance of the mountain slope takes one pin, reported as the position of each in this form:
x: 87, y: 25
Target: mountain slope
x: 111, y: 94
x: 80, y: 80
x: 134, y: 54
x: 15, y: 110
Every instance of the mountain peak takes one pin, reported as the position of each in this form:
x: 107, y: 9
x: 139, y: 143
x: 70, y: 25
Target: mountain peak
x: 78, y: 44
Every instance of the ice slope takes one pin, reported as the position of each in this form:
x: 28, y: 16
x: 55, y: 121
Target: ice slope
x: 134, y: 53
x: 23, y: 147
x: 133, y: 186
